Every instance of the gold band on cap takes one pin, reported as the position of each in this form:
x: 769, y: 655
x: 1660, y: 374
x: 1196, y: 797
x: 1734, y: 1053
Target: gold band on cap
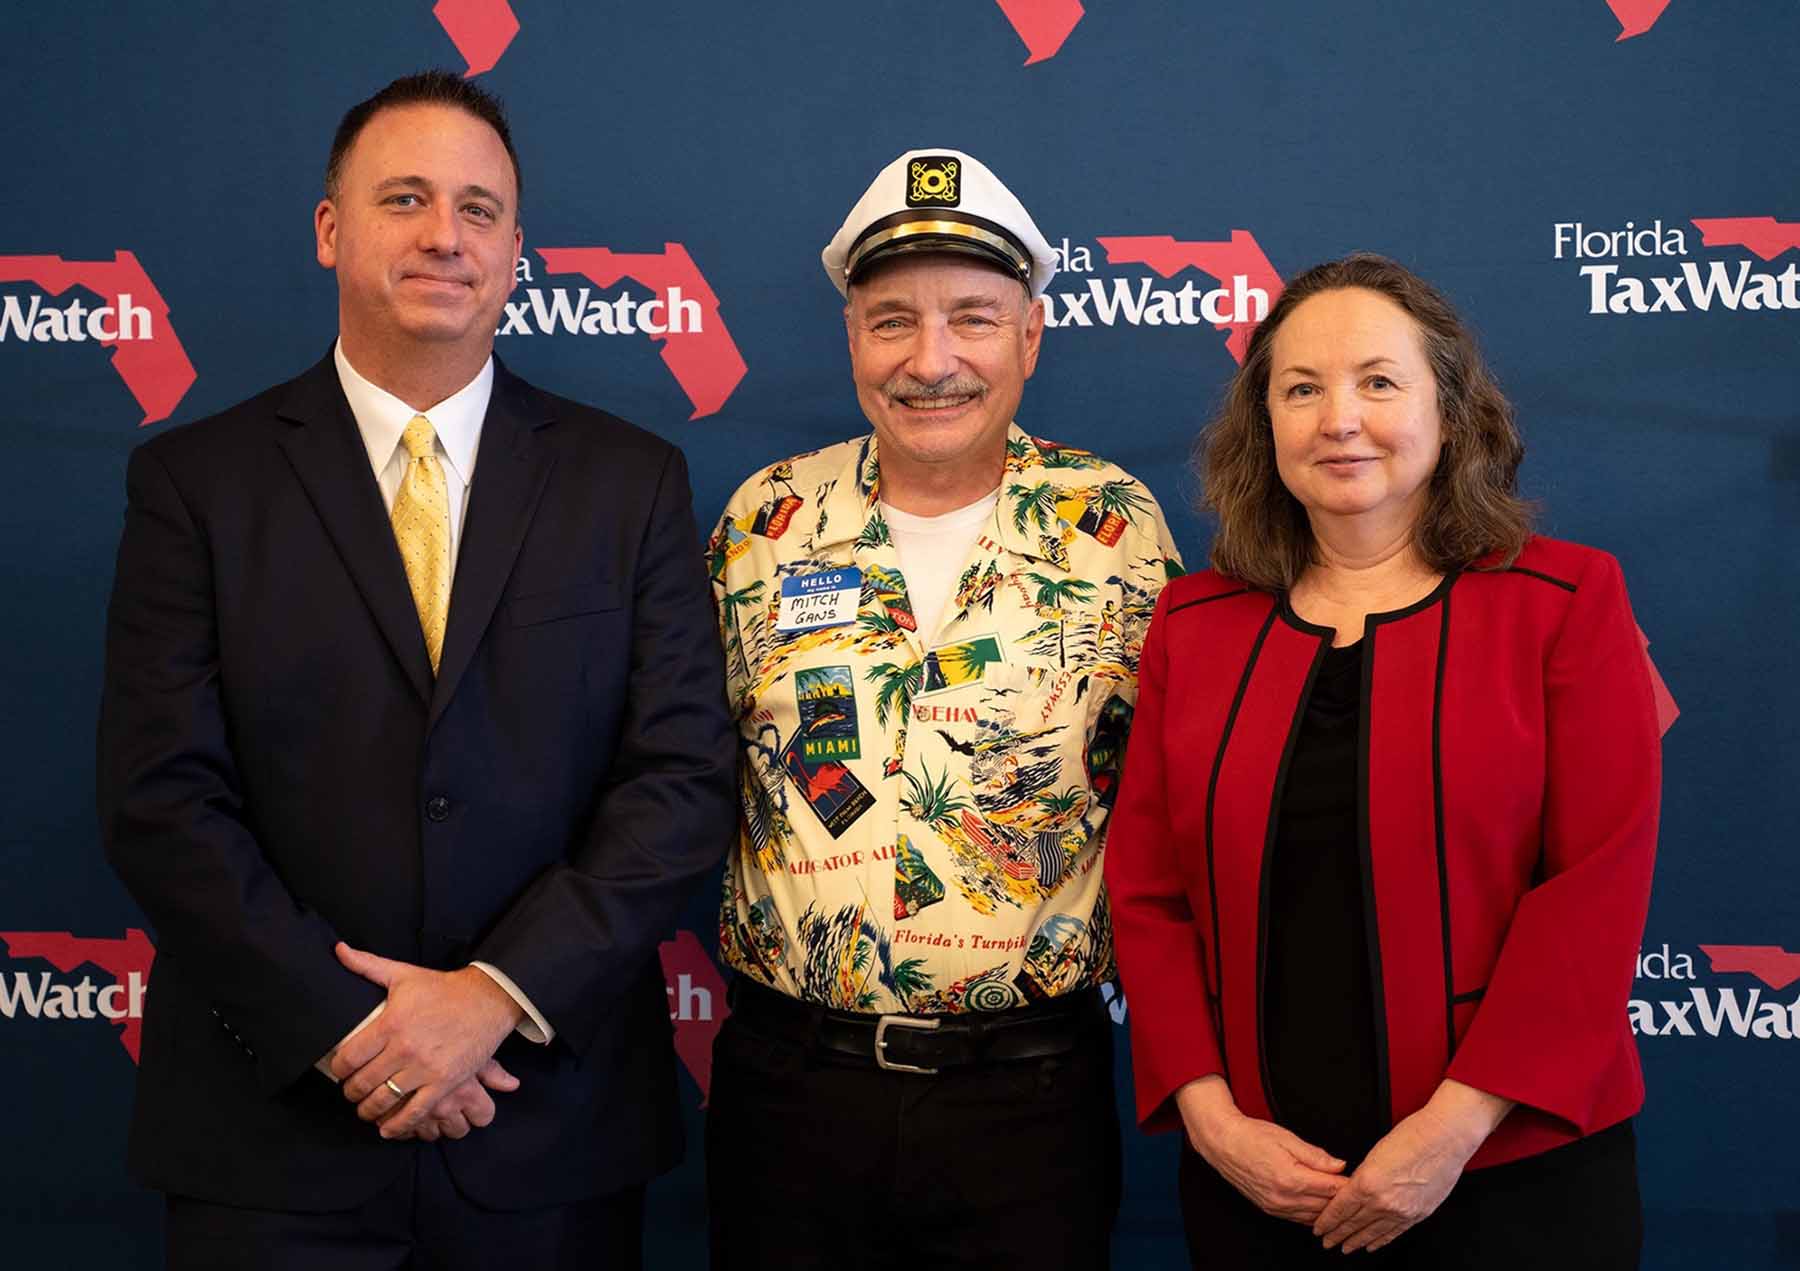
x: 946, y: 229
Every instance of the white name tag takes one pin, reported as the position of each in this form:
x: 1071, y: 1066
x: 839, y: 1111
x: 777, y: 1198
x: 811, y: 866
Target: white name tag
x: 828, y: 599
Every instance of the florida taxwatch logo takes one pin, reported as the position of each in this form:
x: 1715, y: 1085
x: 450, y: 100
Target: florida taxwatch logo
x: 123, y: 966
x: 122, y: 311
x: 676, y: 308
x: 1738, y: 994
x: 1635, y: 16
x: 1042, y: 24
x: 95, y: 979
x: 480, y: 29
x: 1045, y: 24
x: 1227, y: 284
x: 1674, y: 266
x: 696, y: 1005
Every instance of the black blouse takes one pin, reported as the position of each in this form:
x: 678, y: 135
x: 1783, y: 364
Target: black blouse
x: 1318, y: 1006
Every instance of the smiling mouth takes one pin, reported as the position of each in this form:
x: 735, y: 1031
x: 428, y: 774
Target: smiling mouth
x: 949, y: 394
x: 936, y: 403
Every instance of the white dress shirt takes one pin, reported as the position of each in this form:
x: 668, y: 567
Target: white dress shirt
x: 381, y: 418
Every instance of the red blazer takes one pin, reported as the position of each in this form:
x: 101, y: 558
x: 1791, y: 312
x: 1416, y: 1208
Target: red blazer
x: 1510, y: 771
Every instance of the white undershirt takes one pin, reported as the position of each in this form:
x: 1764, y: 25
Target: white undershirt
x: 933, y: 551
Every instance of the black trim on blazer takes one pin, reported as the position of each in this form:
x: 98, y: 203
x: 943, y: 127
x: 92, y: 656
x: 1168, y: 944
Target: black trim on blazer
x: 1384, y: 1091
x: 1371, y: 920
x: 1212, y: 790
x: 1285, y: 606
x: 1546, y: 578
x: 1262, y: 899
x: 1207, y: 600
x: 1437, y: 593
x: 1473, y: 995
x: 1384, y: 1084
x: 1437, y: 816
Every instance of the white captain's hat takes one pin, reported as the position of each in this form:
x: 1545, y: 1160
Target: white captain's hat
x: 939, y: 201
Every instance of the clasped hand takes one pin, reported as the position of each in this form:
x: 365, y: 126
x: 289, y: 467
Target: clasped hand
x: 435, y: 1038
x: 1411, y: 1169
x: 1401, y: 1182
x: 1282, y: 1174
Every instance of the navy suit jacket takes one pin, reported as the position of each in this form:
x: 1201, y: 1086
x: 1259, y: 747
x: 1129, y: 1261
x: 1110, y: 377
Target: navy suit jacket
x: 279, y: 769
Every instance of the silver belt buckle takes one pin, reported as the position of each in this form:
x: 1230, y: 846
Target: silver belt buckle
x: 901, y: 1021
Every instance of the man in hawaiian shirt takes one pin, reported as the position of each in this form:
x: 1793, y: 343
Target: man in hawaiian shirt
x: 932, y: 635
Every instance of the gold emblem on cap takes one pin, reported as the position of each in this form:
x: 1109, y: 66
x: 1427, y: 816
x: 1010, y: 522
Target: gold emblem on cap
x: 935, y: 182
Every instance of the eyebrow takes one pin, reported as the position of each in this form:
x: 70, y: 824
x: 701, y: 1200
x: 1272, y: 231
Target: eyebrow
x: 1364, y: 365
x: 421, y: 183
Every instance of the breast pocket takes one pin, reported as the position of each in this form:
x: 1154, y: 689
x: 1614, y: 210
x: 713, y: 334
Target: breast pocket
x: 530, y: 609
x: 1014, y: 743
x: 1006, y: 685
x: 1044, y: 697
x: 1059, y: 756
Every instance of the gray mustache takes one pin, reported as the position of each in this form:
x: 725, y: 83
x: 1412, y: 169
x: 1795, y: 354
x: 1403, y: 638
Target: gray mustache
x: 905, y: 386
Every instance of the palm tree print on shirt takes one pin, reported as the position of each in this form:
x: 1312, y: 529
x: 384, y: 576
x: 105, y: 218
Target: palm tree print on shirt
x: 1056, y: 594
x: 997, y: 783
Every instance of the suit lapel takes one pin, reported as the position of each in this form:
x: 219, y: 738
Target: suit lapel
x: 328, y: 456
x: 511, y: 467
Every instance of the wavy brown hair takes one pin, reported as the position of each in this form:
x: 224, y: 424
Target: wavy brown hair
x: 1473, y: 509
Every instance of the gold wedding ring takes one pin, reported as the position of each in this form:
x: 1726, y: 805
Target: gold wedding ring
x: 398, y: 1092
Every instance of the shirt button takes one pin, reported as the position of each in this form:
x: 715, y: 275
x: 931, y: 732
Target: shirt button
x: 438, y: 808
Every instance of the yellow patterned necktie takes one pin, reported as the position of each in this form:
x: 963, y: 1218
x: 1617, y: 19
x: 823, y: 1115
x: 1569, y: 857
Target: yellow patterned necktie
x: 422, y: 529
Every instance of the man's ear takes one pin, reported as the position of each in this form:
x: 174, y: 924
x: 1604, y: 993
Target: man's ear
x: 1034, y: 333
x: 325, y: 226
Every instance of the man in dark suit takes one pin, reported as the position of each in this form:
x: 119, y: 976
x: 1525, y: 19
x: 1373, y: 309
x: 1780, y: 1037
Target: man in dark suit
x: 412, y: 742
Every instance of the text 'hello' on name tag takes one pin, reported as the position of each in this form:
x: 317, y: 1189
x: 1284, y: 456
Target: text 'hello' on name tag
x: 827, y: 599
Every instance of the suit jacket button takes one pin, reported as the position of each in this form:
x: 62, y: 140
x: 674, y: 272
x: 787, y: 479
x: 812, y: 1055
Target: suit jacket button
x: 438, y: 808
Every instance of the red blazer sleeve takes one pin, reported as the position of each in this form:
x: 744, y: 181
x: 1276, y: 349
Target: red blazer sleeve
x: 1161, y: 946
x: 1551, y: 1030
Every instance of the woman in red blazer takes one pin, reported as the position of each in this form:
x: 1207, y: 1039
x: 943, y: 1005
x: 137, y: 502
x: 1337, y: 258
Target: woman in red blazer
x: 1382, y: 853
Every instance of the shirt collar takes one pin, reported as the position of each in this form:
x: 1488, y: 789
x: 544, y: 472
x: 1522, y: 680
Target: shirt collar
x: 381, y: 417
x: 855, y: 497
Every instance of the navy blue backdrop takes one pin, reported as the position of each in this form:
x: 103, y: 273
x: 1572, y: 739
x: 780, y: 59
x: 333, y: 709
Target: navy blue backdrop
x: 1607, y: 187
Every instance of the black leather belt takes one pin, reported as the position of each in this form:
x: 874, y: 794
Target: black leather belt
x: 923, y: 1043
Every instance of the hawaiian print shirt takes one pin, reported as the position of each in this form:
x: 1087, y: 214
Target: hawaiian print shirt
x: 923, y: 816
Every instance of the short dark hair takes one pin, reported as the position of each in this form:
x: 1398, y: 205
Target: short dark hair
x: 1473, y: 508
x: 427, y: 88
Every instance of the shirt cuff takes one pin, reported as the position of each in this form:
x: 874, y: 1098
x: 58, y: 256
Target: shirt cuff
x: 534, y: 1027
x: 324, y: 1065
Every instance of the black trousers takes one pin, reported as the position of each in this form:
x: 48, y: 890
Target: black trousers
x: 811, y: 1163
x: 1573, y: 1207
x: 421, y: 1223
